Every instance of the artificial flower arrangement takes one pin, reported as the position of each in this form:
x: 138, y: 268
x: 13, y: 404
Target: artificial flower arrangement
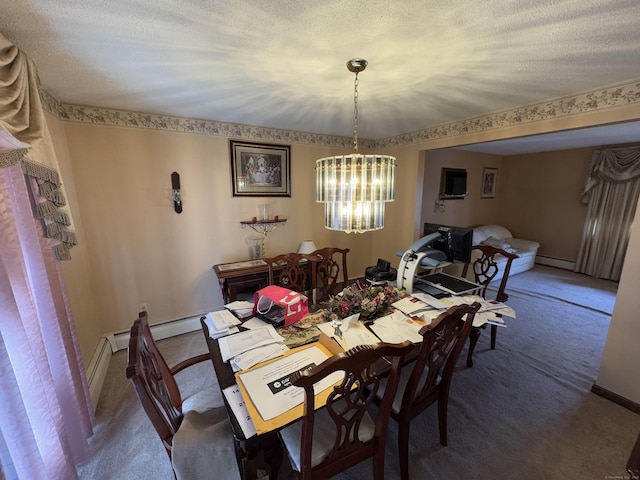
x: 369, y: 301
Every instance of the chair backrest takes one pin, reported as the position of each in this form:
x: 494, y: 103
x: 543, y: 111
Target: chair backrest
x: 442, y: 343
x: 154, y: 383
x: 347, y: 405
x: 332, y: 261
x: 295, y: 271
x: 485, y: 268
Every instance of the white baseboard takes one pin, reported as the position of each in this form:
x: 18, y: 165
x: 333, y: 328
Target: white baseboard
x: 114, y: 341
x: 555, y: 262
x: 97, y: 370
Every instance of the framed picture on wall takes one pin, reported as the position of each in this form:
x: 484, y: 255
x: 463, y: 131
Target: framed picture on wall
x: 489, y: 181
x: 260, y: 170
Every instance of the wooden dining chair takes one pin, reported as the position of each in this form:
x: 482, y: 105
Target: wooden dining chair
x: 295, y: 271
x: 259, y: 456
x: 428, y: 380
x: 485, y: 268
x: 195, y: 431
x: 331, y: 266
x: 332, y: 439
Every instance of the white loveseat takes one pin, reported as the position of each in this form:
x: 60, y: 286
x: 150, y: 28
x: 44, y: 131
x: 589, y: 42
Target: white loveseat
x: 499, y: 236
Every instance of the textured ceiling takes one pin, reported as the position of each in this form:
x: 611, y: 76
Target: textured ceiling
x: 281, y: 63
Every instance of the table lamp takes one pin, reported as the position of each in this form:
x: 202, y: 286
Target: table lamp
x: 307, y: 246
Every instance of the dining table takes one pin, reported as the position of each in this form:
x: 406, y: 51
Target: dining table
x: 261, y: 451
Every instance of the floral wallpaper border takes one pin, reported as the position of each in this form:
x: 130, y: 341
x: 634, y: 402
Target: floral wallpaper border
x: 584, y: 102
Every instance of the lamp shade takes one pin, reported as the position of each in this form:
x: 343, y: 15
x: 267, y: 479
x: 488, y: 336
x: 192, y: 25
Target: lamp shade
x: 354, y: 189
x: 307, y: 246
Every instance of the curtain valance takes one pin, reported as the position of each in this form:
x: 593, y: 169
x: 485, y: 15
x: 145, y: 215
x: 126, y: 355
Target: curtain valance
x: 614, y: 165
x: 25, y: 139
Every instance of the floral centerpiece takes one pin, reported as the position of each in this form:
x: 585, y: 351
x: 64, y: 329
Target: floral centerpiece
x: 369, y: 301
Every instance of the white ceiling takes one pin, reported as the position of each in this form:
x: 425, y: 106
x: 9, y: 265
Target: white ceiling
x: 281, y: 63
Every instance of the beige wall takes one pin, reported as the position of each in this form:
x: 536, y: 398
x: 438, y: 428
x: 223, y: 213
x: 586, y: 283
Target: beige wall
x: 619, y: 372
x: 135, y: 249
x: 471, y: 210
x: 543, y: 199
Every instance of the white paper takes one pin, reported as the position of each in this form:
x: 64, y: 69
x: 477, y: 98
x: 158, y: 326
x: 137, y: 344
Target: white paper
x: 491, y: 318
x: 238, y: 343
x: 461, y: 300
x: 353, y: 334
x: 214, y: 332
x: 259, y: 354
x: 223, y: 319
x: 397, y: 328
x: 269, y: 386
x: 429, y: 300
x: 411, y: 306
x: 239, y: 409
x: 241, y: 308
x: 254, y: 323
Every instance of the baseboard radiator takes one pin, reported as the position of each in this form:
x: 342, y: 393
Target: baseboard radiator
x: 115, y: 341
x: 555, y: 262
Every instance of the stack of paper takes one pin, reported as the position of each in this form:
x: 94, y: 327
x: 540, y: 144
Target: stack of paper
x: 240, y: 308
x: 245, y: 349
x: 239, y: 408
x: 349, y: 332
x: 397, y: 328
x: 221, y: 323
x: 490, y: 311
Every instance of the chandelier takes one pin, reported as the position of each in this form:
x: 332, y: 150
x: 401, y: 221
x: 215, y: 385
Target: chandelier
x: 355, y: 187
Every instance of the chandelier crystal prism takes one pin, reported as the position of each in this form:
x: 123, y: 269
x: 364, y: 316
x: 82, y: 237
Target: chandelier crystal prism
x: 354, y: 188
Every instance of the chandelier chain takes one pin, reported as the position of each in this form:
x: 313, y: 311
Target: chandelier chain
x: 355, y: 114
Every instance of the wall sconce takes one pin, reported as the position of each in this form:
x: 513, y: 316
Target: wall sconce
x: 176, y: 192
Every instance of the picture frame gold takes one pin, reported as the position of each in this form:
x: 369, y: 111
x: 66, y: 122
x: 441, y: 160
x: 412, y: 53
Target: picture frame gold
x: 260, y: 169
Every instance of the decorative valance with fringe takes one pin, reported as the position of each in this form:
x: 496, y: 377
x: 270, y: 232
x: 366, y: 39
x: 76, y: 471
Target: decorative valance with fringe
x: 612, y: 164
x: 25, y: 139
x: 611, y: 193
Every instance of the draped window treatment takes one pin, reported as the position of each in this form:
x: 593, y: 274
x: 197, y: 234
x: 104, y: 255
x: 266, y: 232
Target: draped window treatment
x: 611, y: 194
x: 47, y: 414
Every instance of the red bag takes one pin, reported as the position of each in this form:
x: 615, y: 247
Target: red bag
x: 294, y: 304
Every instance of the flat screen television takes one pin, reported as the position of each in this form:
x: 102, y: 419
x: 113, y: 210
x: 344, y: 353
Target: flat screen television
x: 455, y: 242
x: 453, y: 183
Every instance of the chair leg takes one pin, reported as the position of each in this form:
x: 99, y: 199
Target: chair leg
x: 403, y: 449
x: 474, y: 335
x: 494, y: 331
x: 378, y: 466
x: 274, y: 453
x: 442, y: 419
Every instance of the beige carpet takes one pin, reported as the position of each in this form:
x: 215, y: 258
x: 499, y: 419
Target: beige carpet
x: 524, y: 411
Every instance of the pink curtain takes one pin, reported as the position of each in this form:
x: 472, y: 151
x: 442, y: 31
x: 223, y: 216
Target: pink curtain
x: 46, y: 408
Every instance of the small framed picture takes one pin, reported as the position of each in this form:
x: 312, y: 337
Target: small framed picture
x: 489, y: 181
x: 260, y: 170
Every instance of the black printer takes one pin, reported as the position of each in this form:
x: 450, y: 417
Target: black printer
x: 381, y: 273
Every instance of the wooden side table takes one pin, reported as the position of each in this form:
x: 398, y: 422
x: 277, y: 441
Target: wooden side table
x: 237, y: 277
x: 244, y: 276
